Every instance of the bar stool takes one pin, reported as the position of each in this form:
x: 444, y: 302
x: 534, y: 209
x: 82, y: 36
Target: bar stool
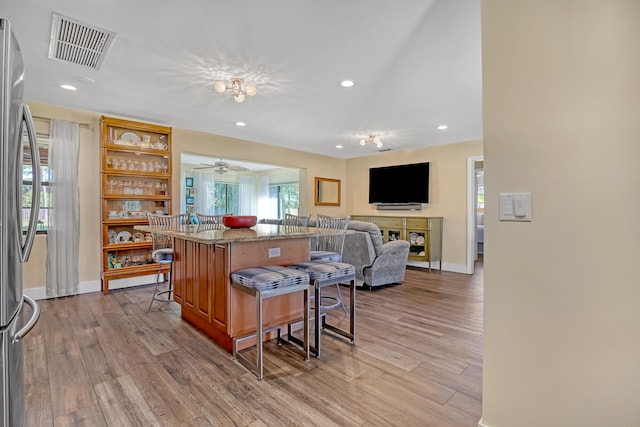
x: 267, y: 282
x: 205, y: 219
x: 296, y: 220
x: 329, y: 248
x: 327, y: 273
x: 162, y: 251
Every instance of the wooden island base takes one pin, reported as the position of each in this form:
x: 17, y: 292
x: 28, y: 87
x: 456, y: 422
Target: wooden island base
x: 202, y: 285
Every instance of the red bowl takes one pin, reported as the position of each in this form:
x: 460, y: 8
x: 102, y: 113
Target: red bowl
x: 239, y: 221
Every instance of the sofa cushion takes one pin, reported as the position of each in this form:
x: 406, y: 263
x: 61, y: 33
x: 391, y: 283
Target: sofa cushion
x: 372, y: 229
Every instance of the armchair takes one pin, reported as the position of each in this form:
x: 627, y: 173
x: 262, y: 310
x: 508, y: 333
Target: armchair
x: 376, y: 263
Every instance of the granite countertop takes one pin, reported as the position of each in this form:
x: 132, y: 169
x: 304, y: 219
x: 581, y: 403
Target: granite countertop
x: 219, y: 234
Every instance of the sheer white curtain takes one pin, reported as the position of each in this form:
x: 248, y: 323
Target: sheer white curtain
x: 267, y: 207
x: 204, y: 185
x: 63, y: 235
x: 248, y: 204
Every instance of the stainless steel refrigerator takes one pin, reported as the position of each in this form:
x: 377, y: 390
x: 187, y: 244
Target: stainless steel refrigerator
x: 15, y: 246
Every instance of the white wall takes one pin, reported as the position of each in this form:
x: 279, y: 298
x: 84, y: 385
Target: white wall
x: 562, y: 293
x: 447, y: 192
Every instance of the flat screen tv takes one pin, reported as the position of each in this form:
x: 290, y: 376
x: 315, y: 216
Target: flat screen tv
x: 399, y: 184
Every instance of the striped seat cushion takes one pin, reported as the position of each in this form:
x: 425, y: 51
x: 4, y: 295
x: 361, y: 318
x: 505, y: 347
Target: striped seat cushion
x: 325, y: 256
x: 269, y: 277
x: 325, y: 270
x: 163, y: 255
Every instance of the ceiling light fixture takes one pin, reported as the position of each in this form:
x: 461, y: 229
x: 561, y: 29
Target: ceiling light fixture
x: 241, y: 124
x: 347, y: 83
x: 442, y: 127
x: 373, y: 139
x: 68, y: 87
x: 236, y: 88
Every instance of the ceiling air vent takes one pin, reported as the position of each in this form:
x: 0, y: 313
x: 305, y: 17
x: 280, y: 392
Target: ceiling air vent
x: 78, y: 43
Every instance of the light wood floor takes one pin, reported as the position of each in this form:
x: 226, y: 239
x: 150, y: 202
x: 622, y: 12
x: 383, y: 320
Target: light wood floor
x: 96, y: 360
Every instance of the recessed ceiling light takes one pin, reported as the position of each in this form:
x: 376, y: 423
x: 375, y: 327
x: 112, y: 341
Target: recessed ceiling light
x: 442, y: 127
x: 68, y: 87
x: 241, y: 124
x: 88, y: 80
x: 347, y: 83
x: 339, y: 147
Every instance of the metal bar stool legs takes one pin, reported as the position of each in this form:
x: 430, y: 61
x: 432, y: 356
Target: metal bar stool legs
x: 322, y: 274
x: 263, y: 283
x: 156, y: 293
x: 320, y: 318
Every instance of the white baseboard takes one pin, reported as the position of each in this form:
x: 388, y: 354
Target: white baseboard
x: 454, y: 268
x: 482, y: 424
x: 133, y: 281
x: 95, y: 286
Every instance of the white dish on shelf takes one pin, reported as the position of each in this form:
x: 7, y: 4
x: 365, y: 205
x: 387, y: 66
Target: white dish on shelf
x: 420, y: 240
x: 129, y: 137
x: 123, y: 237
x: 113, y: 236
x: 413, y: 237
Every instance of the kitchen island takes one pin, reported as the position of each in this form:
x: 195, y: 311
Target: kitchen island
x: 204, y: 258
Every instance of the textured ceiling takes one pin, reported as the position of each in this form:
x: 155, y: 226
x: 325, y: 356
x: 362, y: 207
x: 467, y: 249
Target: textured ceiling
x: 416, y: 64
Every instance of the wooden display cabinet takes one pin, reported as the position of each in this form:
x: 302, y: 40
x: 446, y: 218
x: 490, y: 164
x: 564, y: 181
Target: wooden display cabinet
x: 136, y: 180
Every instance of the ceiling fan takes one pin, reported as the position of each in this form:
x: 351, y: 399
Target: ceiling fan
x: 223, y: 167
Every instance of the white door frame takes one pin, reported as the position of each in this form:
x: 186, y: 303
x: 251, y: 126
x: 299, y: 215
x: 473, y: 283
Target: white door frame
x: 472, y: 201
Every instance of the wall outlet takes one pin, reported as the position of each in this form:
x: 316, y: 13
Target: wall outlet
x: 274, y: 252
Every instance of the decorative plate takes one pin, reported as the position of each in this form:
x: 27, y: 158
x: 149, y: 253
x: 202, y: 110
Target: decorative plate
x: 413, y: 237
x: 420, y: 240
x: 138, y: 237
x: 113, y: 236
x: 123, y: 237
x: 129, y: 136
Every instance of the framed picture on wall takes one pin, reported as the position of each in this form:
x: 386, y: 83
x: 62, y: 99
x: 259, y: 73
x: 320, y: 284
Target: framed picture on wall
x: 190, y: 200
x: 188, y: 182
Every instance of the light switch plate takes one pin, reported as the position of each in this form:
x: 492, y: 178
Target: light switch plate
x: 515, y: 207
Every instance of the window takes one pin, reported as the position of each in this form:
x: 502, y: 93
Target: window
x: 226, y: 198
x: 287, y: 198
x: 480, y: 190
x: 27, y: 183
x: 481, y: 197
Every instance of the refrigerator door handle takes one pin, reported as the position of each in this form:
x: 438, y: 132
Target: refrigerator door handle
x: 35, y: 176
x: 35, y: 315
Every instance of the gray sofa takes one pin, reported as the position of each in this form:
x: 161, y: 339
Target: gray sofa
x: 376, y: 263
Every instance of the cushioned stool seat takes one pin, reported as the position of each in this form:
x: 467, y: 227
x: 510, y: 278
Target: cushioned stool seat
x: 325, y: 273
x: 269, y: 277
x: 325, y: 256
x: 267, y: 282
